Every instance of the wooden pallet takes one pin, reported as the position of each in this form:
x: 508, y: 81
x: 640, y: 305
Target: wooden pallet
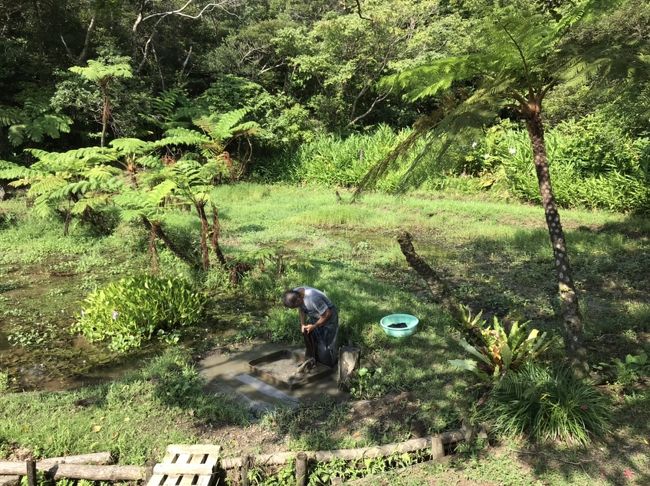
x: 185, y: 465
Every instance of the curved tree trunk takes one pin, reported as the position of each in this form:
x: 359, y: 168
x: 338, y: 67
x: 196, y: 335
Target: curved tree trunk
x: 568, y: 297
x: 216, y: 230
x: 156, y: 228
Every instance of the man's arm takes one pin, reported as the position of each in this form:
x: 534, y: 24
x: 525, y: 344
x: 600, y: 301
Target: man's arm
x: 303, y: 318
x: 320, y: 322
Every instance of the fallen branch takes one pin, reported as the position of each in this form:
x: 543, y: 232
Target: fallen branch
x: 437, y: 287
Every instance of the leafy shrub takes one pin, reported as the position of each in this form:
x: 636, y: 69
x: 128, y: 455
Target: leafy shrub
x: 133, y: 309
x: 632, y: 369
x: 498, y: 347
x: 593, y: 164
x: 333, y: 161
x: 546, y: 404
x: 368, y: 384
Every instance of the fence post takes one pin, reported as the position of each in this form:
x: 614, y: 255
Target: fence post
x: 437, y: 448
x: 245, y: 464
x: 30, y: 465
x: 301, y: 469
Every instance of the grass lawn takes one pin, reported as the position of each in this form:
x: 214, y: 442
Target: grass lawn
x: 496, y: 255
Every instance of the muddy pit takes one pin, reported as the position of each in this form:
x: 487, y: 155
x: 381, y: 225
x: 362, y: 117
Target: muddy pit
x: 282, y: 368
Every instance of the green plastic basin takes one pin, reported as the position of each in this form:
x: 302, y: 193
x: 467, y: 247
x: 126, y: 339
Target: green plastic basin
x: 410, y: 321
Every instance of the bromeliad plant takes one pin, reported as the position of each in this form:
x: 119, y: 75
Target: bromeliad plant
x: 497, y: 347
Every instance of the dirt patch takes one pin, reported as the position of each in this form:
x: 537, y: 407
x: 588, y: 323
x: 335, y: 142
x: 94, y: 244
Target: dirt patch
x: 391, y: 409
x: 238, y: 441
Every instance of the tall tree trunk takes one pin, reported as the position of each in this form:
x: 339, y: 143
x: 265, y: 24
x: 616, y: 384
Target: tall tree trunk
x: 216, y: 229
x: 66, y: 222
x: 205, y: 228
x: 106, y: 111
x: 153, y: 252
x: 568, y: 296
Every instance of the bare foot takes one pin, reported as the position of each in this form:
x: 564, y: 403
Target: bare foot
x: 306, y: 365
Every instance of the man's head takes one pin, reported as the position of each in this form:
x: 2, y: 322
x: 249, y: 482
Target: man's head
x: 292, y: 299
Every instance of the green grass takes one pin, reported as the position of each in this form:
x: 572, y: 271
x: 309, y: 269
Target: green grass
x: 496, y: 255
x: 134, y: 418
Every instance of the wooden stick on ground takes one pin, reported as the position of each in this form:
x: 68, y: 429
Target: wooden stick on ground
x: 78, y: 471
x: 411, y: 445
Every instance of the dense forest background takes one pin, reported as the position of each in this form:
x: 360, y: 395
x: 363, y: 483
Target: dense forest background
x: 307, y: 76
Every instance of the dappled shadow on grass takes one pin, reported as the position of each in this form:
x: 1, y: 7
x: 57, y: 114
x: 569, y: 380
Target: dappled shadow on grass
x: 364, y: 294
x: 620, y: 457
x: 515, y: 276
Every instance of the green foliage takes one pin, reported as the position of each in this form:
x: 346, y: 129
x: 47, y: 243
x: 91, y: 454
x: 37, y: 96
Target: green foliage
x: 218, y: 131
x: 368, y: 384
x: 135, y: 309
x: 32, y: 336
x: 35, y: 121
x: 498, y: 347
x: 335, y: 161
x: 4, y: 381
x: 323, y: 473
x: 631, y: 369
x: 74, y: 183
x: 593, y: 164
x: 546, y: 405
x: 102, y: 72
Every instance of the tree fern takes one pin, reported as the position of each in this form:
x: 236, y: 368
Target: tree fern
x: 514, y: 60
x: 12, y: 171
x: 33, y: 122
x: 183, y: 136
x: 99, y: 72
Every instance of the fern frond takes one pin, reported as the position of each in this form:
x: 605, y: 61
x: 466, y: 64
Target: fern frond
x: 95, y: 203
x: 47, y: 186
x: 150, y: 162
x: 182, y: 136
x: 9, y: 170
x: 158, y: 193
x: 97, y: 71
x: 10, y: 115
x: 131, y: 145
x: 433, y: 78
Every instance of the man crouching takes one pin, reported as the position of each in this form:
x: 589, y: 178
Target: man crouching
x: 319, y: 324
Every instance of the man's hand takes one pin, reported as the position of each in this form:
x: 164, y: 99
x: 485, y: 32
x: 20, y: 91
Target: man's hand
x: 307, y: 328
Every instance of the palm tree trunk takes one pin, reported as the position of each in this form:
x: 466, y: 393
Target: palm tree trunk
x: 568, y: 296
